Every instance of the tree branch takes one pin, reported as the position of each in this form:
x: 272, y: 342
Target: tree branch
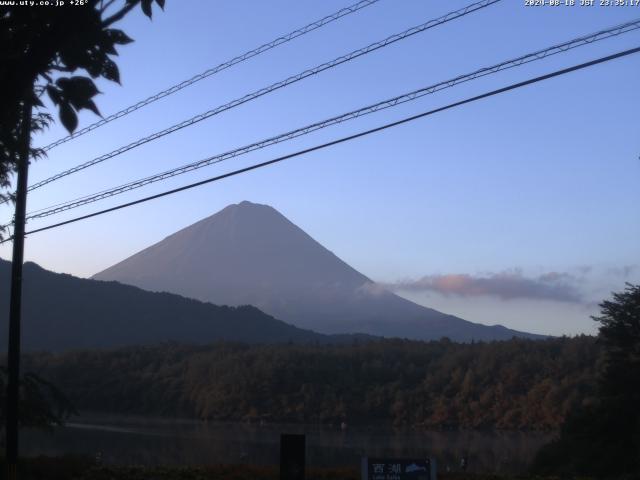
x: 119, y: 15
x: 103, y: 8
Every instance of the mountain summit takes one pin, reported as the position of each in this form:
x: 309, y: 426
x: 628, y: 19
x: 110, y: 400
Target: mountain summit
x: 250, y: 254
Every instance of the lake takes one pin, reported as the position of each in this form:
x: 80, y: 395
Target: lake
x: 153, y: 441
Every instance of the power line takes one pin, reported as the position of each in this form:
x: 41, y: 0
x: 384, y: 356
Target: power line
x: 513, y: 86
x: 407, y: 97
x: 283, y: 83
x: 217, y: 69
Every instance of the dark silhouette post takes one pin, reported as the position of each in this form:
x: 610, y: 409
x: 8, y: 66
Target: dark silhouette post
x: 292, y: 457
x: 13, y: 384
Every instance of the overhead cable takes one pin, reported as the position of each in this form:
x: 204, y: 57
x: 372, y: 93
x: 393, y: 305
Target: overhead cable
x: 392, y: 102
x: 275, y: 86
x: 498, y: 91
x: 217, y: 69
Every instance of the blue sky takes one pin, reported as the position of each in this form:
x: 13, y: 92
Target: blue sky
x: 534, y: 191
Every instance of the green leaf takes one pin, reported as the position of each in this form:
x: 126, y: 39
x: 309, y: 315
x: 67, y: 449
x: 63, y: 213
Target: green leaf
x: 90, y: 105
x: 146, y: 7
x: 107, y: 46
x: 110, y: 71
x: 68, y: 117
x: 54, y: 94
x: 160, y: 3
x: 118, y: 36
x: 93, y: 69
x: 35, y: 100
x: 78, y: 91
x: 77, y: 87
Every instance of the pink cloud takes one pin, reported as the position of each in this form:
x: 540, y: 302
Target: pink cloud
x: 557, y: 286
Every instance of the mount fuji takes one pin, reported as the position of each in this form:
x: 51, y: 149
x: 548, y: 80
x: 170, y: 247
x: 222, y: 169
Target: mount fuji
x: 250, y: 254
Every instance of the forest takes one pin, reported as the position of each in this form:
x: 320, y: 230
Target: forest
x: 517, y: 384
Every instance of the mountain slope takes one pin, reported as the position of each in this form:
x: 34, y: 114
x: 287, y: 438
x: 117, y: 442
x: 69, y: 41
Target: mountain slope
x: 251, y: 254
x: 62, y: 312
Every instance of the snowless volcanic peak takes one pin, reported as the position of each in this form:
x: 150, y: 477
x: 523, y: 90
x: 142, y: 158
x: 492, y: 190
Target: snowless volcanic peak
x: 249, y: 253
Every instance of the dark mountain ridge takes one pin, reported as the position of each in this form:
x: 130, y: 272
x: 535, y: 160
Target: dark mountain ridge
x: 62, y: 312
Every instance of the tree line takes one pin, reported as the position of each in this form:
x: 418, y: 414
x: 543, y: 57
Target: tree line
x: 517, y: 384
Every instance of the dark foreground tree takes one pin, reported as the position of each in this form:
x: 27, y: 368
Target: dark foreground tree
x: 603, y: 437
x: 57, y: 51
x: 620, y: 337
x: 46, y: 49
x: 42, y: 404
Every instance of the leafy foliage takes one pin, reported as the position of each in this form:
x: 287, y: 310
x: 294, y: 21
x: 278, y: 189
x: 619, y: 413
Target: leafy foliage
x: 41, y: 49
x: 518, y: 384
x: 620, y: 336
x: 42, y: 405
x: 603, y: 437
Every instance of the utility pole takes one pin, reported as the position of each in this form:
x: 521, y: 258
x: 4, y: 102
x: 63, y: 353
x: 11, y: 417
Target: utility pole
x: 15, y: 307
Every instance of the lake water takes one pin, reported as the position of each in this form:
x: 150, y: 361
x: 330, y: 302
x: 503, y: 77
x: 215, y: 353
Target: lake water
x: 145, y: 441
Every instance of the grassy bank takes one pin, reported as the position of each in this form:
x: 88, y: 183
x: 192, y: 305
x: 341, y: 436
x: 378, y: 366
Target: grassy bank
x: 84, y: 468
